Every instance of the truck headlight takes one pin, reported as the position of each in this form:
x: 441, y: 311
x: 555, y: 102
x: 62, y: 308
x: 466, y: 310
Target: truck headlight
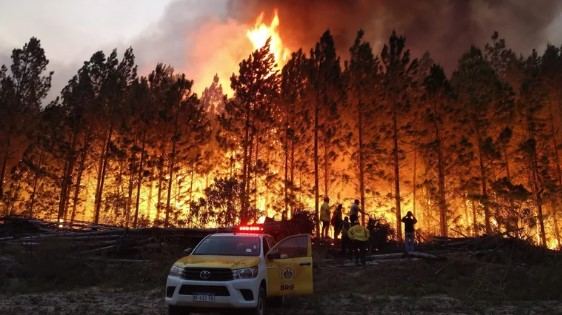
x: 175, y: 271
x: 245, y: 273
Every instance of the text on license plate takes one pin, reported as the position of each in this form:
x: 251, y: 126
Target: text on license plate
x: 203, y: 297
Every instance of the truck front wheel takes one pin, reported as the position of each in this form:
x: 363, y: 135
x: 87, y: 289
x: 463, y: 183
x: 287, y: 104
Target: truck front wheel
x: 262, y: 297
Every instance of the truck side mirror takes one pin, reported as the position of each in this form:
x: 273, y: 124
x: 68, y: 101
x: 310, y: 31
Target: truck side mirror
x: 188, y: 250
x: 274, y: 254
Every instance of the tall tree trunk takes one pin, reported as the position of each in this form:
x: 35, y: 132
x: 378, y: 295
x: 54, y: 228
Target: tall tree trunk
x: 149, y: 200
x: 232, y: 164
x: 140, y: 177
x: 67, y: 179
x: 553, y: 205
x: 361, y: 157
x: 256, y: 192
x: 316, y: 179
x: 102, y: 168
x: 286, y: 164
x: 467, y: 216
x: 326, y: 166
x: 292, y: 177
x: 396, y: 173
x: 249, y: 176
x: 160, y: 181
x: 286, y: 183
x: 537, y: 191
x: 484, y: 187
x: 3, y: 169
x: 441, y: 179
x: 191, y: 180
x: 414, y: 179
x: 76, y: 194
x: 130, y: 189
x: 35, y: 184
x: 245, y: 166
x: 474, y: 220
x: 558, y: 173
x: 81, y: 167
x: 171, y: 178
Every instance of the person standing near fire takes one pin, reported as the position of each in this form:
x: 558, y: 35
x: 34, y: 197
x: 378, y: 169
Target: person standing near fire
x: 409, y: 222
x: 337, y: 221
x: 354, y: 211
x: 359, y: 236
x: 325, y: 217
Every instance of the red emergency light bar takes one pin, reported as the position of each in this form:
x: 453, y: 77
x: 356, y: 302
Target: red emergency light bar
x: 250, y: 228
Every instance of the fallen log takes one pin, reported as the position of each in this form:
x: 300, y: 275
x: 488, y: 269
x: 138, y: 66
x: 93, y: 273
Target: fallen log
x: 425, y: 255
x: 386, y: 256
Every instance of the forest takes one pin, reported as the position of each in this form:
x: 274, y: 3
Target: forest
x: 470, y: 153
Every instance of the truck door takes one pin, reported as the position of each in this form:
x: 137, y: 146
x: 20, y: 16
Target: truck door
x: 289, y: 267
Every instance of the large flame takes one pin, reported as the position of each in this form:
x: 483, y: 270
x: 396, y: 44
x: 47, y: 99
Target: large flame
x: 261, y: 32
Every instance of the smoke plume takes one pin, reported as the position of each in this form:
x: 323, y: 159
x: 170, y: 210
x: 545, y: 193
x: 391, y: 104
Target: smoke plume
x: 202, y: 38
x: 445, y: 28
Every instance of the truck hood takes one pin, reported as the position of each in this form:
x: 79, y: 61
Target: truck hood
x: 211, y: 261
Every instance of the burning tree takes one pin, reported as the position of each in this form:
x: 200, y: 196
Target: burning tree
x: 251, y: 112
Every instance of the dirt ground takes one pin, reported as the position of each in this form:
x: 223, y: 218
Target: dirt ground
x: 116, y: 301
x: 339, y: 289
x: 53, y: 277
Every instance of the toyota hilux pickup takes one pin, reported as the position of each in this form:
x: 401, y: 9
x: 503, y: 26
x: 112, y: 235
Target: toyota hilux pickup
x: 239, y: 270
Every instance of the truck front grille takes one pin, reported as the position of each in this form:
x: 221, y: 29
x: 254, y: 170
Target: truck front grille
x: 207, y: 274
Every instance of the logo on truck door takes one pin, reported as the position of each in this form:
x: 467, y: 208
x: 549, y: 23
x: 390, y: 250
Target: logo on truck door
x: 288, y: 274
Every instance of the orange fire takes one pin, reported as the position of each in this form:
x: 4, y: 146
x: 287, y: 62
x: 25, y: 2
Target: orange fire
x: 261, y: 32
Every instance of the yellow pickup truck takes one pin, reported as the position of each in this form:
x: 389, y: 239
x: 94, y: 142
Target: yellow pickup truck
x: 239, y: 270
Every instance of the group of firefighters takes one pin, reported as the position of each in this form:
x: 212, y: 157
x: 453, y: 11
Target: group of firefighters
x: 355, y: 237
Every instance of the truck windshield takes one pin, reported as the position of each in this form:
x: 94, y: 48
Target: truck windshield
x: 229, y: 245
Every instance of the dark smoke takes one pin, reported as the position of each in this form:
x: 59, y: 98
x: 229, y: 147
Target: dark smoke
x: 445, y: 28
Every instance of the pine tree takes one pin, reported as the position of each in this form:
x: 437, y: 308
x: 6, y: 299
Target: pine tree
x: 398, y: 81
x: 326, y: 91
x: 256, y: 90
x: 21, y: 93
x: 485, y: 102
x: 362, y: 79
x: 296, y: 135
x: 435, y: 115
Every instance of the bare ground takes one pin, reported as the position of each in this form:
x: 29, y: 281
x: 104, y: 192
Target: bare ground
x: 339, y: 289
x: 58, y: 277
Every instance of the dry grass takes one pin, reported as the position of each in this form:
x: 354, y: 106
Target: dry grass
x: 460, y: 284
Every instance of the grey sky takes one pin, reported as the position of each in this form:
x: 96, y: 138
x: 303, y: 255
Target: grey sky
x: 70, y: 31
x: 204, y: 37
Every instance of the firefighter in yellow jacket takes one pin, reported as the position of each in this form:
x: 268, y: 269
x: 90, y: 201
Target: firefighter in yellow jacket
x: 359, y: 237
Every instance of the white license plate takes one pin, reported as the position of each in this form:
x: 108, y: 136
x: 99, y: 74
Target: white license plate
x: 203, y: 297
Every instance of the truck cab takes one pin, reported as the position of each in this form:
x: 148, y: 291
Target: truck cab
x: 239, y: 270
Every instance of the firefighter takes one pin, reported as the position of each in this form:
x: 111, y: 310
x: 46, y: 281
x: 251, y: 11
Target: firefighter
x: 359, y: 236
x: 325, y: 217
